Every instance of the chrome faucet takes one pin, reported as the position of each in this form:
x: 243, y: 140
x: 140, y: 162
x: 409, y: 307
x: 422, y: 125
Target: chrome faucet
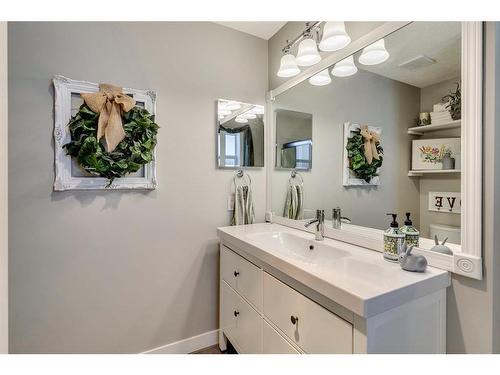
x: 320, y: 225
x: 338, y: 219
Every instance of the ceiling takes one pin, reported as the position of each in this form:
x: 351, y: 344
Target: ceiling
x: 263, y: 30
x: 439, y: 41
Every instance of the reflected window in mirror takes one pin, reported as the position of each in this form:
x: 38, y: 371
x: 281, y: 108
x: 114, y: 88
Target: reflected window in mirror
x: 240, y: 134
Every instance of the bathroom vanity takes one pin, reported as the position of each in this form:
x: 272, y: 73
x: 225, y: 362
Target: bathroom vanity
x: 283, y: 292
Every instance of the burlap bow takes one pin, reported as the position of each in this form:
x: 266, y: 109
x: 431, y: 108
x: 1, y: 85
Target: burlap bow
x: 109, y: 102
x: 370, y: 140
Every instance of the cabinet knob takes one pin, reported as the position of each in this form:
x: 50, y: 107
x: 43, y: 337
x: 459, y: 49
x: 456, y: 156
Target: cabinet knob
x: 294, y: 319
x: 236, y: 273
x: 236, y: 313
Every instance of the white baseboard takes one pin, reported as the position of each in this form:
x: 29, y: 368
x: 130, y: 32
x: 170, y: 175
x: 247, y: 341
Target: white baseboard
x: 188, y: 345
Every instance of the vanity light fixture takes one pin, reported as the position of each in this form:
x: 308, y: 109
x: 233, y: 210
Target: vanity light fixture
x: 241, y: 119
x: 288, y: 66
x: 232, y: 105
x: 334, y: 37
x: 308, y: 54
x: 320, y: 79
x: 374, y: 54
x: 345, y: 67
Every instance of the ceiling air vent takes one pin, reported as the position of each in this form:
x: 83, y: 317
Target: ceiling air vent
x: 417, y: 62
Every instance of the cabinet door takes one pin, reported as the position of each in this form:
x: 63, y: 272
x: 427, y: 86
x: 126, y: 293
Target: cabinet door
x: 240, y: 322
x: 274, y: 343
x: 242, y: 275
x: 229, y: 306
x: 304, y: 322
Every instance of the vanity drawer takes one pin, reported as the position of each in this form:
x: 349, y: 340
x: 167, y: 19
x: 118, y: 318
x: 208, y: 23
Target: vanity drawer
x: 243, y: 276
x: 274, y: 343
x: 240, y: 322
x: 317, y: 330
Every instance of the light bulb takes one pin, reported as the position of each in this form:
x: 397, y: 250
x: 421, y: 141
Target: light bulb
x: 307, y: 54
x: 345, y: 67
x: 374, y: 54
x: 233, y: 105
x: 224, y: 112
x: 258, y: 110
x: 320, y: 79
x: 288, y: 66
x: 334, y: 37
x: 249, y: 115
x: 241, y: 119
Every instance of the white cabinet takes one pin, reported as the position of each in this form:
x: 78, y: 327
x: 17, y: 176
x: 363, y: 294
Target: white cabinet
x: 250, y: 296
x: 307, y: 324
x: 241, y: 322
x: 272, y: 305
x: 275, y: 343
x: 242, y: 276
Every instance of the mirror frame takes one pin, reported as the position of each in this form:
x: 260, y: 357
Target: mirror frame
x: 467, y: 257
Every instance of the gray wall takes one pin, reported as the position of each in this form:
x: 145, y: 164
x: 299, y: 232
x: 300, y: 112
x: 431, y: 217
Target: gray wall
x: 3, y: 191
x: 123, y: 272
x: 365, y: 98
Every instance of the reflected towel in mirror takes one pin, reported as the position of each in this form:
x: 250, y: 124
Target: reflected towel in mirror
x: 294, y: 202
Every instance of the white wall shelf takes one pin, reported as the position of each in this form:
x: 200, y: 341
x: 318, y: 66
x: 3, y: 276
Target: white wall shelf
x: 420, y: 130
x: 419, y: 173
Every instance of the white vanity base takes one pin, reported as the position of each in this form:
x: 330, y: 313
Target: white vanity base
x: 257, y: 303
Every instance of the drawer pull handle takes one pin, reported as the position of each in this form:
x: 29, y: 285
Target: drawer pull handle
x: 236, y: 273
x: 236, y: 313
x: 294, y: 319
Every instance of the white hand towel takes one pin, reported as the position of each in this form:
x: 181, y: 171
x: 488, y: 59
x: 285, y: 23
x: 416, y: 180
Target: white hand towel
x: 243, y: 206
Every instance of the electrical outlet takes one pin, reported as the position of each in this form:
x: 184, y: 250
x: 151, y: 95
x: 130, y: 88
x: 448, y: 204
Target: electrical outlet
x: 230, y: 202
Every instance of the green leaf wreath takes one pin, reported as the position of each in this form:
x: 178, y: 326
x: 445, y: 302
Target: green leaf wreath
x: 135, y: 150
x: 357, y: 160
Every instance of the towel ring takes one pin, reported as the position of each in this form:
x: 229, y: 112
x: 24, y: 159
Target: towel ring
x: 293, y: 175
x: 240, y: 174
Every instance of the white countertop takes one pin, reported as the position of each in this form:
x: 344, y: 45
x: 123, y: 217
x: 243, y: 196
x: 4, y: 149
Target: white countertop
x: 354, y: 277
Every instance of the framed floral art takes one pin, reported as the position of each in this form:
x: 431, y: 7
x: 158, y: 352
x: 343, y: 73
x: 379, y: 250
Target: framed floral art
x: 429, y: 153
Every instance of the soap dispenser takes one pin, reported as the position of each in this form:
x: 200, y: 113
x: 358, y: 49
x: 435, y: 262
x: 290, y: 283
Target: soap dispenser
x: 393, y: 240
x: 411, y: 233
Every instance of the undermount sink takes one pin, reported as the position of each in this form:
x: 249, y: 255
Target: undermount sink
x: 303, y: 249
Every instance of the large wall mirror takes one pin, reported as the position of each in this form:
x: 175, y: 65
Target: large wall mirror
x: 240, y: 134
x: 387, y: 123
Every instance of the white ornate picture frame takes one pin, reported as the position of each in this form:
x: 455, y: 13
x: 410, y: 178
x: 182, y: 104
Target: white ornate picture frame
x: 67, y: 174
x: 348, y: 178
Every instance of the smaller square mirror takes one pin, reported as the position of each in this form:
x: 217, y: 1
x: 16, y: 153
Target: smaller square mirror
x: 240, y: 134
